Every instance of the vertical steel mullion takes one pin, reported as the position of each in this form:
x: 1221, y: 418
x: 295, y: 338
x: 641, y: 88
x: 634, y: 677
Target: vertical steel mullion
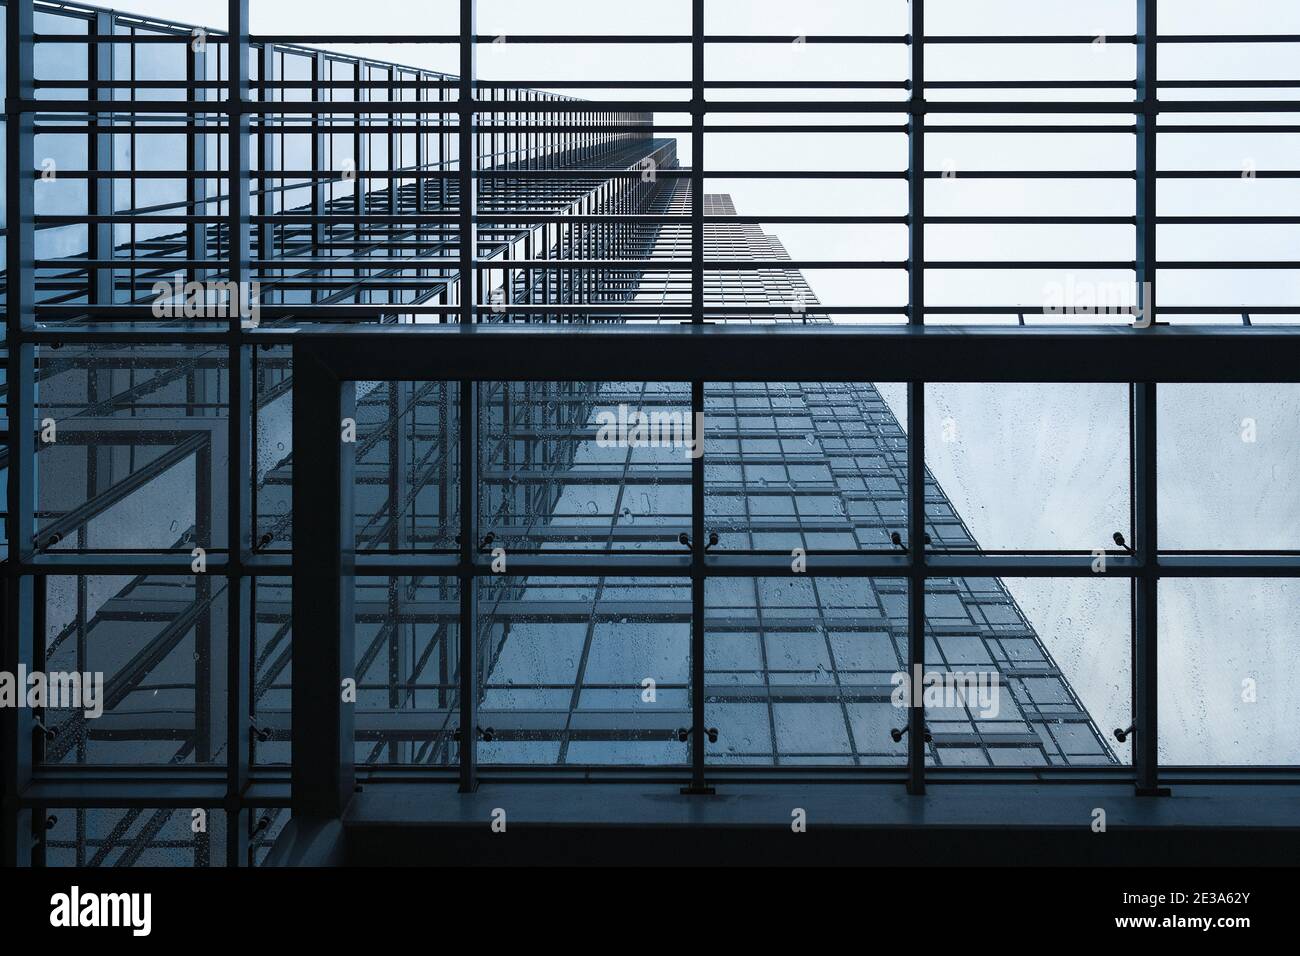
x: 100, y: 153
x: 916, y: 585
x: 360, y: 166
x: 195, y: 157
x: 268, y: 198
x: 209, y: 700
x: 1146, y: 738
x: 468, y: 243
x: 398, y: 660
x: 321, y: 155
x: 239, y: 475
x: 17, y: 641
x: 1144, y: 668
x: 916, y: 744
x: 40, y: 606
x: 395, y: 184
x: 469, y: 657
x: 697, y: 736
x: 421, y: 159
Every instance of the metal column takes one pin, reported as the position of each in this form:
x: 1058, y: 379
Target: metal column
x: 697, y: 541
x: 1146, y: 739
x: 16, y: 646
x: 916, y: 748
x: 324, y: 657
x: 99, y: 154
x: 468, y: 240
x: 239, y: 473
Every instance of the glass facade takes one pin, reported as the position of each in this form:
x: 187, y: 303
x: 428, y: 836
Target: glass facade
x: 557, y: 568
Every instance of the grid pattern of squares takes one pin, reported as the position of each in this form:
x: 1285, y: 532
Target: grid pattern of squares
x: 356, y: 191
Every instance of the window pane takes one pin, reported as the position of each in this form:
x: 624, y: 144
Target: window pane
x: 155, y: 646
x: 151, y: 837
x: 799, y: 670
x: 1027, y: 467
x: 1229, y: 466
x: 579, y: 466
x: 811, y: 465
x: 1049, y: 659
x: 1229, y: 693
x: 584, y: 671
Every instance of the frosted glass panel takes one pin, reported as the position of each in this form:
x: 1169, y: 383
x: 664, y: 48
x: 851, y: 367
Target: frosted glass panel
x: 1229, y: 466
x: 1027, y: 466
x: 1229, y: 694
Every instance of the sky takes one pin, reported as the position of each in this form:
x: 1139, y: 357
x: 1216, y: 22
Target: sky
x: 1027, y: 466
x: 549, y: 66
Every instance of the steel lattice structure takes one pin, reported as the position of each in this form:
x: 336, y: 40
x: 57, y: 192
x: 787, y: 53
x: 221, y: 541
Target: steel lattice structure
x: 473, y: 271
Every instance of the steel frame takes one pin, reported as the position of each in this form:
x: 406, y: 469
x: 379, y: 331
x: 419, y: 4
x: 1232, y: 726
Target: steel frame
x: 468, y: 349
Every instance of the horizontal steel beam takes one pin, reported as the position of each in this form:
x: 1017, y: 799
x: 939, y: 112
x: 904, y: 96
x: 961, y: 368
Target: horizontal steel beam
x: 790, y: 352
x: 187, y: 787
x: 531, y: 561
